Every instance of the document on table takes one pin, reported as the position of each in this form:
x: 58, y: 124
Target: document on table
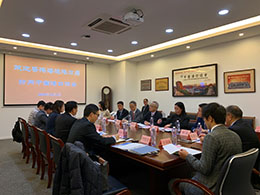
x: 171, y: 149
x: 137, y: 148
x: 110, y: 120
x: 128, y: 146
x: 143, y: 126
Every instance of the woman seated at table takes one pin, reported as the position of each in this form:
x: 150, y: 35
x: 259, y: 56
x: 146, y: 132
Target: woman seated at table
x: 180, y: 114
x: 199, y: 118
x: 103, y: 110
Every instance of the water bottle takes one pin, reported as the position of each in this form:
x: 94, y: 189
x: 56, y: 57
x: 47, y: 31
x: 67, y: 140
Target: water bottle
x: 103, y: 125
x: 174, y: 136
x: 151, y: 121
x: 178, y: 126
x: 125, y: 131
x: 129, y: 118
x: 153, y: 136
x: 101, y: 115
x: 199, y: 129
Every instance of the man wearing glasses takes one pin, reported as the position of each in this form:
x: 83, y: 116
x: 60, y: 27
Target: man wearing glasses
x: 84, y: 130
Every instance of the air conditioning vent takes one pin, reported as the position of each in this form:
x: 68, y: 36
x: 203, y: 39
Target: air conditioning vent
x: 109, y: 25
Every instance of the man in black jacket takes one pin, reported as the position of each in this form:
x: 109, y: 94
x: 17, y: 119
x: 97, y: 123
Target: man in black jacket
x: 246, y: 133
x: 153, y: 113
x: 145, y: 108
x: 242, y: 128
x: 121, y: 113
x: 65, y: 121
x: 84, y: 130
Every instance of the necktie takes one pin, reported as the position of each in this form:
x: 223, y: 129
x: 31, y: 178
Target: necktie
x: 133, y: 116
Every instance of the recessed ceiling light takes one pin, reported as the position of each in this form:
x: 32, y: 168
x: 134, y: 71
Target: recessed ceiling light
x: 134, y: 42
x: 39, y: 20
x: 26, y: 35
x: 241, y: 34
x: 187, y: 47
x: 73, y: 44
x: 169, y: 30
x: 14, y: 47
x: 109, y: 50
x: 87, y: 58
x: 223, y: 12
x: 152, y: 56
x: 55, y: 53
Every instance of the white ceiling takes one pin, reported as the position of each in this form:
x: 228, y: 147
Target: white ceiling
x: 64, y: 21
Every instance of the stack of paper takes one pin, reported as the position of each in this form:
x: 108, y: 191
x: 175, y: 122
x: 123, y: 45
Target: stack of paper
x: 171, y: 149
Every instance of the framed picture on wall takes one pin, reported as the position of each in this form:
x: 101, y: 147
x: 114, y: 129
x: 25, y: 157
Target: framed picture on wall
x: 195, y: 81
x: 240, y: 81
x: 146, y: 85
x: 162, y: 84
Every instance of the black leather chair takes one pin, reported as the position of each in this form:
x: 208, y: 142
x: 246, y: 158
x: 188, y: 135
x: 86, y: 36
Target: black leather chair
x: 235, y: 177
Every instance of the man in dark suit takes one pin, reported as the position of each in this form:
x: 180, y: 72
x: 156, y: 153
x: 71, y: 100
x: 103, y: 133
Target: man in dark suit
x: 153, y: 113
x: 218, y: 146
x: 42, y: 116
x: 134, y: 115
x: 145, y: 108
x: 121, y: 113
x: 246, y: 133
x: 84, y: 130
x: 65, y: 121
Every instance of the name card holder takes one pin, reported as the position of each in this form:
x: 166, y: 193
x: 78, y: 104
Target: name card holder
x: 145, y: 140
x: 193, y: 136
x: 257, y: 129
x: 164, y: 142
x: 184, y: 134
x: 133, y: 126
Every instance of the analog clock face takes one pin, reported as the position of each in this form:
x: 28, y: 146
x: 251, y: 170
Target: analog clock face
x: 106, y: 91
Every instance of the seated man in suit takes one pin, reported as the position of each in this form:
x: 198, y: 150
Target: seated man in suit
x: 84, y: 130
x: 121, y: 113
x: 134, y: 115
x: 65, y: 121
x: 42, y: 116
x: 246, y: 133
x: 32, y: 116
x: 145, y: 108
x: 218, y: 146
x: 152, y: 114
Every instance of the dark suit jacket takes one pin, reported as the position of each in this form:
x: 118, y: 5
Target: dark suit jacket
x: 156, y: 117
x: 50, y: 126
x: 246, y: 133
x: 135, y: 117
x: 183, y: 119
x: 63, y: 125
x: 84, y: 131
x: 41, y: 120
x: 122, y: 115
x: 145, y: 110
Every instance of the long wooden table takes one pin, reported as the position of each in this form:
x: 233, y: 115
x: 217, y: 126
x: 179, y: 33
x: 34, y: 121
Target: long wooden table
x: 161, y: 164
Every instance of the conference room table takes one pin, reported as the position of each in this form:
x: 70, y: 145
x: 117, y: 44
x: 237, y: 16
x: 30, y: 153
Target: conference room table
x: 163, y: 165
